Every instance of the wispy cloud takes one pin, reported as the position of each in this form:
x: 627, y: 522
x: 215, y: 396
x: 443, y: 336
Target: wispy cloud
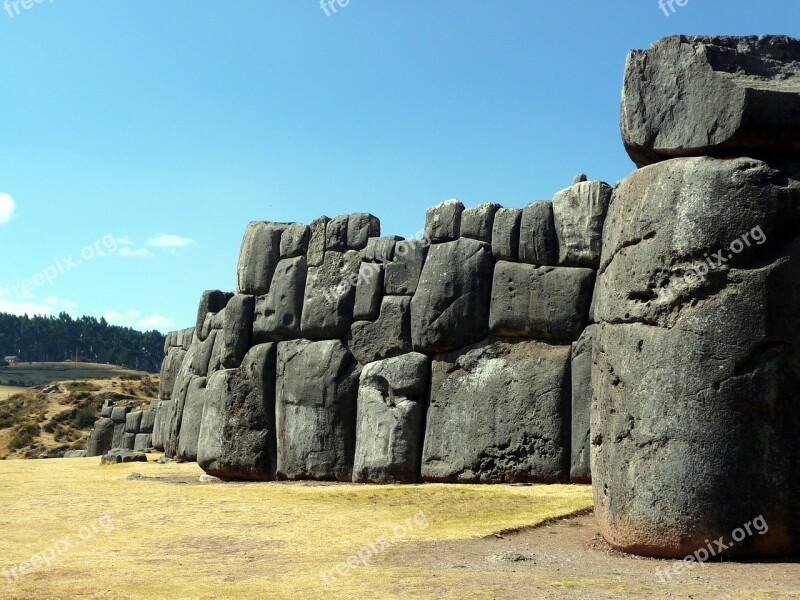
x: 134, y: 318
x: 7, y: 207
x: 128, y: 252
x: 166, y: 240
x: 47, y: 306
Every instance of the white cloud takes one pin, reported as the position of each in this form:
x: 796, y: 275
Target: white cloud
x: 135, y: 319
x: 169, y: 241
x: 128, y: 252
x: 48, y: 306
x: 6, y: 208
x: 157, y: 322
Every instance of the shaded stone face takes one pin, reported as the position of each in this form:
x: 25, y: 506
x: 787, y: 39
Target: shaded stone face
x: 192, y: 420
x: 579, y: 215
x: 101, y: 438
x: 581, y: 372
x: 278, y: 313
x: 317, y: 388
x: 294, y: 240
x: 316, y: 243
x: 361, y: 227
x: 169, y: 371
x: 538, y: 244
x: 388, y: 336
x: 693, y: 431
x: 237, y: 329
x: 505, y: 233
x: 258, y: 257
x: 329, y: 296
x: 477, y: 222
x: 402, y: 274
x: 443, y: 221
x: 712, y: 95
x: 499, y: 413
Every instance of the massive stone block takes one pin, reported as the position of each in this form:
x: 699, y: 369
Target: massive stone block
x: 336, y: 233
x: 142, y: 442
x: 202, y: 359
x: 538, y: 244
x: 192, y: 420
x: 278, y: 313
x: 388, y: 336
x: 148, y: 420
x: 381, y: 249
x: 540, y: 302
x: 212, y: 301
x: 369, y: 291
x: 361, y: 227
x: 128, y: 441
x: 694, y: 430
x: 294, y: 240
x: 505, y: 233
x: 477, y: 222
x: 580, y: 466
x: 237, y: 435
x: 330, y: 295
x: 317, y: 388
x: 237, y: 330
x: 169, y: 370
x: 179, y: 393
x: 316, y: 244
x: 580, y: 212
x: 101, y: 439
x: 391, y: 419
x: 133, y: 421
x: 258, y: 257
x: 402, y: 274
x: 119, y: 414
x: 451, y: 306
x: 164, y: 416
x: 712, y: 95
x: 443, y: 221
x: 499, y: 413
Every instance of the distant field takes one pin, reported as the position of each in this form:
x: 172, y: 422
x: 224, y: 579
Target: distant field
x: 25, y: 375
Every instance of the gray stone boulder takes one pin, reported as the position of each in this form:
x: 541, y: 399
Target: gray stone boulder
x: 580, y: 467
x: 402, y: 274
x: 294, y: 240
x: 202, y: 358
x: 317, y: 389
x: 550, y: 303
x: 451, y: 306
x: 101, y: 438
x: 119, y: 456
x: 76, y: 454
x: 258, y: 257
x: 443, y: 221
x: 143, y: 442
x: 212, y: 301
x: 237, y: 434
x: 369, y: 291
x: 381, y: 249
x: 164, y: 416
x: 330, y: 296
x: 499, y: 413
x: 148, y: 420
x: 107, y: 409
x: 186, y: 337
x: 712, y: 95
x: 361, y: 227
x: 693, y: 431
x: 179, y: 394
x: 580, y: 213
x: 237, y: 329
x: 128, y: 441
x: 133, y: 421
x: 336, y: 233
x: 391, y: 420
x: 477, y: 222
x: 119, y: 414
x: 119, y: 434
x: 505, y: 233
x: 169, y: 370
x: 388, y: 336
x: 278, y: 313
x: 192, y: 420
x: 316, y: 243
x: 538, y: 244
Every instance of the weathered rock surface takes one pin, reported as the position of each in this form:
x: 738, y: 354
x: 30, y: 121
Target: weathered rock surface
x: 143, y: 442
x: 237, y: 330
x: 361, y: 227
x: 212, y: 301
x: 278, y: 313
x: 76, y: 454
x: 119, y: 414
x: 499, y: 412
x: 148, y: 420
x: 128, y: 441
x: 443, y: 221
x: 549, y: 303
x: 102, y: 437
x: 580, y: 467
x: 505, y: 233
x: 330, y: 295
x: 690, y: 373
x: 402, y: 274
x: 316, y: 244
x: 202, y: 359
x: 164, y: 416
x: 712, y: 95
x: 237, y: 435
x: 580, y: 212
x: 192, y: 420
x: 169, y: 370
x: 258, y: 257
x: 294, y: 240
x: 122, y: 456
x: 336, y: 233
x: 477, y: 222
x: 133, y: 421
x: 381, y: 249
x: 538, y: 244
x: 369, y: 291
x: 388, y: 336
x: 390, y: 421
x: 317, y: 388
x: 451, y: 306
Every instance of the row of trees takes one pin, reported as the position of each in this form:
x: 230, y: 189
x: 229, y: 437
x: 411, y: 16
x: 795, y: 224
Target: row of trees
x: 54, y: 339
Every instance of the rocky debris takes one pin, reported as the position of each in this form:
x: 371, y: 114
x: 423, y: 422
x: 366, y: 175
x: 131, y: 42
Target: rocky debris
x: 580, y: 467
x: 237, y: 330
x: 402, y: 274
x: 712, y: 95
x: 294, y: 240
x: 278, y: 313
x: 115, y: 457
x: 477, y: 222
x: 330, y: 295
x: 538, y: 244
x: 499, y: 413
x: 361, y: 227
x: 369, y: 291
x: 76, y: 454
x: 390, y: 422
x: 549, y: 303
x: 451, y: 306
x: 580, y: 212
x: 258, y: 257
x: 443, y: 221
x: 237, y: 434
x: 388, y: 336
x: 316, y: 244
x: 505, y: 233
x: 317, y: 388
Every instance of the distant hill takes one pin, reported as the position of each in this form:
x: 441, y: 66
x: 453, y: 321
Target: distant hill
x: 55, y: 339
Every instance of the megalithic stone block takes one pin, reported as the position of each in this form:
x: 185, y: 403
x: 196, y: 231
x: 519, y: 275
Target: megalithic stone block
x: 580, y: 467
x: 361, y: 227
x: 133, y: 421
x: 148, y: 420
x: 237, y: 329
x: 202, y: 359
x: 336, y: 233
x: 317, y: 388
x: 402, y: 275
x: 443, y: 221
x: 477, y: 222
x: 164, y: 416
x: 294, y: 240
x: 169, y: 370
x: 258, y: 257
x: 316, y: 244
x: 538, y: 244
x: 330, y: 296
x: 390, y: 423
x: 192, y: 420
x: 580, y: 213
x: 505, y: 233
x: 212, y: 301
x: 278, y: 314
x: 369, y: 291
x: 388, y: 336
x: 101, y: 439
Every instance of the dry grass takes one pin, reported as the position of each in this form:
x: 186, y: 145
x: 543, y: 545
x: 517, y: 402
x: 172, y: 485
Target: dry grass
x: 176, y: 540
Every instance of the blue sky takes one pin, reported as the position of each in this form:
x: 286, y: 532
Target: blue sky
x: 152, y: 132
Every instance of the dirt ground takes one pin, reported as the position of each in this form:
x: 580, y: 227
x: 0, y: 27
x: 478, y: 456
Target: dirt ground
x: 569, y: 559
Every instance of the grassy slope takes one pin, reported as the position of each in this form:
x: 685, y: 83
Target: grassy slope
x: 241, y: 540
x: 62, y: 419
